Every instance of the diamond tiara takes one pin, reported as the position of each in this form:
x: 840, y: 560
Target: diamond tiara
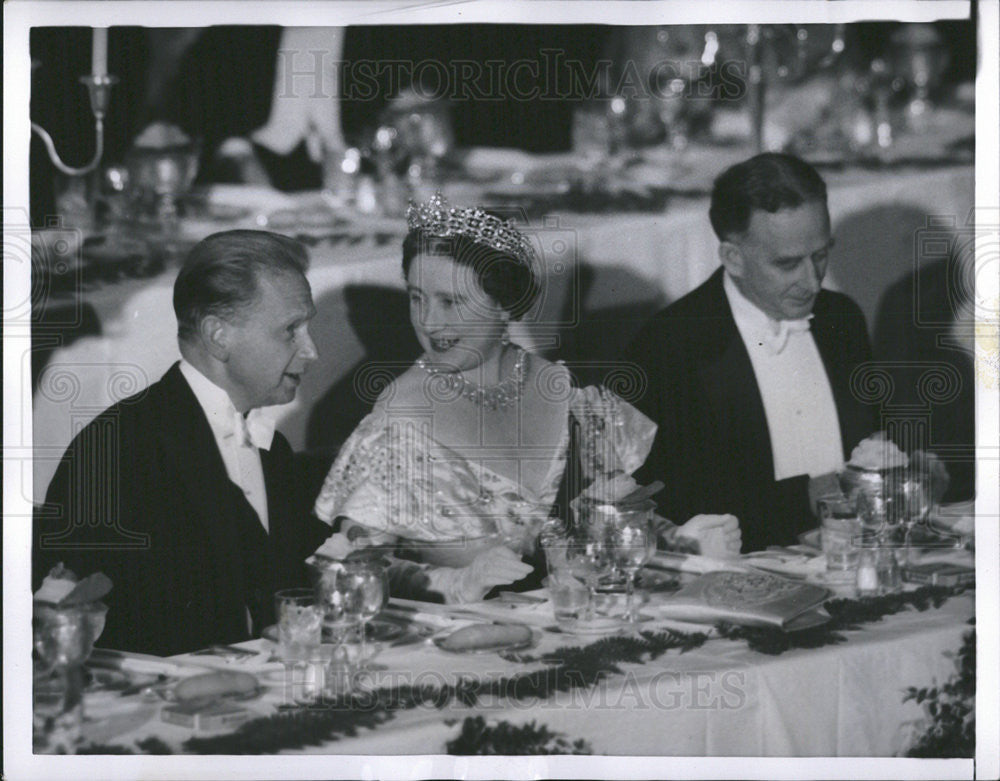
x: 436, y: 218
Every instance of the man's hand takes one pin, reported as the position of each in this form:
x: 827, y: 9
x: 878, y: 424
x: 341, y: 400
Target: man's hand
x: 928, y: 463
x: 820, y: 486
x: 717, y: 536
x: 493, y: 567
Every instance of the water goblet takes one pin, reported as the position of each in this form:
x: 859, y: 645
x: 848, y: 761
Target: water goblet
x: 878, y: 512
x: 63, y: 639
x: 367, y: 594
x: 915, y: 493
x: 633, y: 543
x: 333, y: 590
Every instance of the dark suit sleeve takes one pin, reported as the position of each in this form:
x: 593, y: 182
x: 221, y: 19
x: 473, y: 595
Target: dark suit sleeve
x: 858, y: 336
x: 651, y: 354
x: 90, y: 522
x: 296, y: 484
x: 88, y: 514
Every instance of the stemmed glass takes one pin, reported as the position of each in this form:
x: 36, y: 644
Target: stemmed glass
x: 879, y: 514
x: 633, y: 543
x: 333, y: 590
x: 916, y: 498
x: 63, y: 640
x: 588, y: 559
x: 367, y: 585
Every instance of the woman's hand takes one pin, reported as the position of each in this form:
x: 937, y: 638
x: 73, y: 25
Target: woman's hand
x: 493, y: 567
x: 717, y: 536
x: 338, y: 546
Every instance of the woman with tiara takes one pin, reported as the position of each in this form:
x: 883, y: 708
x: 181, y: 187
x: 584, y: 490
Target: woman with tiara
x: 464, y: 455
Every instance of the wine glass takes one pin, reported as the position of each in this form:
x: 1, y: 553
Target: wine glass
x: 333, y: 591
x: 367, y: 593
x: 915, y: 493
x: 63, y: 639
x: 879, y: 513
x: 633, y: 543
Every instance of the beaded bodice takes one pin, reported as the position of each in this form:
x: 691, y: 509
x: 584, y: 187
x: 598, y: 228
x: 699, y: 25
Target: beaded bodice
x: 392, y: 476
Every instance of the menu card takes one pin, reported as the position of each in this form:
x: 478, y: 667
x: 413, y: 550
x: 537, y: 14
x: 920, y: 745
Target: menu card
x: 747, y: 598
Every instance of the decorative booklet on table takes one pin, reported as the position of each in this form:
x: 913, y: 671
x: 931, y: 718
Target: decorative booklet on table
x: 748, y: 598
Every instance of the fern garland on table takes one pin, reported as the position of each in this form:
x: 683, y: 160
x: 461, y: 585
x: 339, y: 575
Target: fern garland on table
x: 566, y: 669
x: 479, y: 738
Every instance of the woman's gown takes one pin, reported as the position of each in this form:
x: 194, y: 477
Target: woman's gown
x: 393, y: 478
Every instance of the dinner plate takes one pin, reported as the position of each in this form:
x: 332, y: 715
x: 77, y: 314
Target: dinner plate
x: 523, y: 645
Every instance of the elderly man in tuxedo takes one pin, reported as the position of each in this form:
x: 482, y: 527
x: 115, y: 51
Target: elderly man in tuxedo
x: 749, y: 374
x: 184, y: 494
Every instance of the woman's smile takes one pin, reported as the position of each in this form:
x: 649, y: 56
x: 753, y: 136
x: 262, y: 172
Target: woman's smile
x: 442, y: 345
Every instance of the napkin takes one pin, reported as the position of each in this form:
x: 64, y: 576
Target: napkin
x: 747, y: 598
x: 788, y: 564
x: 693, y: 564
x: 132, y: 662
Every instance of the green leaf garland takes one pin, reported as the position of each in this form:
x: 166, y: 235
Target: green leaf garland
x: 479, y: 738
x: 566, y: 669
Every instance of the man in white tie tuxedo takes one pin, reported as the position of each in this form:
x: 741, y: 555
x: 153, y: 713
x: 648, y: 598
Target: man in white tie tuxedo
x: 184, y: 494
x: 748, y: 376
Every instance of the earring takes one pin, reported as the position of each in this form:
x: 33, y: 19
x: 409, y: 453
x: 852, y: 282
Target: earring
x: 505, y: 336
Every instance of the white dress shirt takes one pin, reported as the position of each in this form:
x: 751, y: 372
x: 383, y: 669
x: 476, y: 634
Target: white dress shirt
x: 798, y: 402
x: 238, y: 438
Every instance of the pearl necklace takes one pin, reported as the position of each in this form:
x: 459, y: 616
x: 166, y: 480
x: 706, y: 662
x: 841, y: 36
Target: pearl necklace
x: 499, y: 396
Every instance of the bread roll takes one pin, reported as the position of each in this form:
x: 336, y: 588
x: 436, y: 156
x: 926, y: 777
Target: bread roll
x: 480, y: 637
x: 215, y: 684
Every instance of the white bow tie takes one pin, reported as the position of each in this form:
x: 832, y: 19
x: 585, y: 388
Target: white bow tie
x: 780, y: 330
x: 255, y: 429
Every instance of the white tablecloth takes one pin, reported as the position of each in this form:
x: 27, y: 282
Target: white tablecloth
x: 720, y: 700
x: 603, y: 274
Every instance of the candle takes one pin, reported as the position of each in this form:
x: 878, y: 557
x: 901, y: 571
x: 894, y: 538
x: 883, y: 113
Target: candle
x: 99, y: 58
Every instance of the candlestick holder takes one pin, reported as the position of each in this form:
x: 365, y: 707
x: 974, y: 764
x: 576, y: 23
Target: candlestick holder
x: 99, y: 87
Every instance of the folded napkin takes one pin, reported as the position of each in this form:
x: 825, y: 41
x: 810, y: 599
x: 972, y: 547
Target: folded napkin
x: 694, y: 564
x: 788, y: 564
x: 535, y: 614
x: 137, y: 663
x: 747, y: 598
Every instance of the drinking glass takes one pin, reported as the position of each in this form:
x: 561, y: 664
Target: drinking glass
x: 839, y: 530
x: 367, y: 593
x: 879, y: 514
x: 333, y: 590
x: 633, y: 543
x: 580, y: 557
x: 570, y: 598
x: 915, y: 494
x: 300, y: 621
x: 63, y: 639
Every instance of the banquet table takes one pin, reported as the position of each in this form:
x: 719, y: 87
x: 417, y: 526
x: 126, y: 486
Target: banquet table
x: 602, y: 275
x: 720, y: 699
